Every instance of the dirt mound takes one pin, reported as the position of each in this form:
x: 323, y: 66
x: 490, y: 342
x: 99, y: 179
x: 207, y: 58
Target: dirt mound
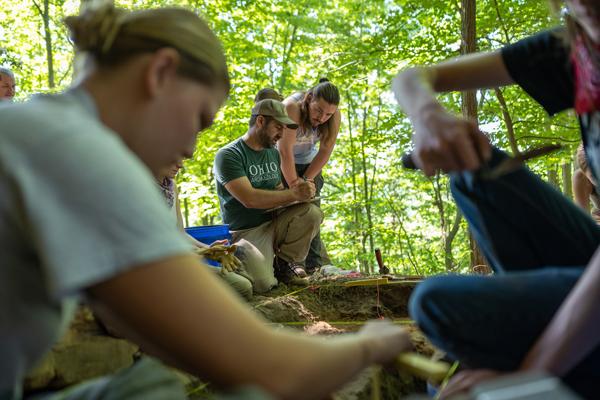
x: 334, y: 307
x: 335, y: 302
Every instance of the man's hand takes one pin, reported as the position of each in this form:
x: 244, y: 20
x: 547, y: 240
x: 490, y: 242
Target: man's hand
x: 465, y: 380
x: 385, y: 341
x: 446, y: 142
x: 304, y: 190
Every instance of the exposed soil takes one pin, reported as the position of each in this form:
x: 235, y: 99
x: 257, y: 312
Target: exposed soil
x: 328, y: 307
x: 332, y: 301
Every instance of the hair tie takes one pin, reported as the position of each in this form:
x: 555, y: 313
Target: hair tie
x: 112, y: 30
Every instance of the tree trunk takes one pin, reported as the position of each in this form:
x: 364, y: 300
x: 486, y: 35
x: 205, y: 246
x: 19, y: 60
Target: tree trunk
x: 553, y: 177
x: 45, y: 14
x: 447, y: 234
x: 567, y: 180
x: 468, y: 45
x: 356, y: 214
x: 287, y: 52
x: 449, y: 238
x: 186, y: 212
x: 510, y: 131
x: 469, y: 99
x: 367, y: 201
x: 399, y: 218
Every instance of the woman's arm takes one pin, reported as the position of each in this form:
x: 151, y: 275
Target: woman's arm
x: 575, y: 329
x: 443, y: 141
x: 571, y: 335
x: 582, y: 189
x: 180, y: 309
x: 285, y: 145
x: 325, y: 147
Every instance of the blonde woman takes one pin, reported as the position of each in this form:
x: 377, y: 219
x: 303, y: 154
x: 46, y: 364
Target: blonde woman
x: 81, y: 216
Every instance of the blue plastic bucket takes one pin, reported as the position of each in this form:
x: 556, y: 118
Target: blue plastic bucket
x: 208, y: 234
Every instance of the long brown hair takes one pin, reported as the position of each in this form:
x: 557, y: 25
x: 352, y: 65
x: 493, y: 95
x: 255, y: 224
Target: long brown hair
x: 324, y: 90
x: 108, y: 36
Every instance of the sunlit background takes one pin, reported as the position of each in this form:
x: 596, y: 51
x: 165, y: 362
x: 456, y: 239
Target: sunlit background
x: 369, y: 200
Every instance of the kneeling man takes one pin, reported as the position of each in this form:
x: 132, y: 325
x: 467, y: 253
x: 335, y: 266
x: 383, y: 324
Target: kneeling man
x: 248, y: 178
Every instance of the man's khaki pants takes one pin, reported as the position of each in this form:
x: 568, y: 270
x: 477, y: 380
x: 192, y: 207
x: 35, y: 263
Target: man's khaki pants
x: 288, y: 236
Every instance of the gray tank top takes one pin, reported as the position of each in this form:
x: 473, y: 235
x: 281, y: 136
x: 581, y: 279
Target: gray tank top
x: 305, y: 148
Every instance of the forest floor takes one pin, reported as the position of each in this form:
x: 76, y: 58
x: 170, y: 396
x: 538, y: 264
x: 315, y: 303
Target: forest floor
x: 332, y: 306
x: 329, y: 306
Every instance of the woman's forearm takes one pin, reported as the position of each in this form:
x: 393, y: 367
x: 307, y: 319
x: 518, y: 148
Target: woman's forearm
x: 413, y: 89
x: 181, y: 309
x: 325, y: 147
x: 286, y: 152
x: 288, y: 168
x: 313, y: 358
x: 582, y: 189
x: 317, y: 164
x: 575, y: 329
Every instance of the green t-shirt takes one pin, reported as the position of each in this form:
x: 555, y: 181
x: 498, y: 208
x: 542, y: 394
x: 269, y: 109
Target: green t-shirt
x: 262, y: 170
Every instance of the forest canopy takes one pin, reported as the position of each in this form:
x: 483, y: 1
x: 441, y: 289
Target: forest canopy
x: 369, y: 200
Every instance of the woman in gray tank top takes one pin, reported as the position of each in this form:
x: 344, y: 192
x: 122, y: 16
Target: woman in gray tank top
x: 317, y: 114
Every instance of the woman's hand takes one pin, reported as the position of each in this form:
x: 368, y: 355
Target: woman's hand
x: 384, y: 341
x: 446, y: 142
x: 463, y: 381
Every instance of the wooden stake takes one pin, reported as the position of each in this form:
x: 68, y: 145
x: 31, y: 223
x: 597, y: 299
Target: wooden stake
x: 423, y: 367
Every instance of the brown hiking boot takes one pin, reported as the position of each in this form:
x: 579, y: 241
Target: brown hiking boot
x: 290, y: 273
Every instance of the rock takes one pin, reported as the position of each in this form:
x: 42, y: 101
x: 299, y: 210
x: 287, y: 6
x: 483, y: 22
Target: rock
x: 322, y: 328
x: 282, y: 309
x: 83, y: 353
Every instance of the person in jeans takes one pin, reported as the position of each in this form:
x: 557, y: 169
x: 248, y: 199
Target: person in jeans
x: 539, y: 311
x: 248, y: 179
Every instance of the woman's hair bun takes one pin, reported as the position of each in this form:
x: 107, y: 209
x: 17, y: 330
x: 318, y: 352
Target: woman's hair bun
x: 96, y: 28
x: 323, y: 80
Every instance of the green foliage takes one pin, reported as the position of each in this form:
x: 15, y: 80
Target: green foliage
x: 288, y: 45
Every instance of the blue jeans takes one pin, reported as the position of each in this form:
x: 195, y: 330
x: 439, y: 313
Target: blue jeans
x: 538, y: 243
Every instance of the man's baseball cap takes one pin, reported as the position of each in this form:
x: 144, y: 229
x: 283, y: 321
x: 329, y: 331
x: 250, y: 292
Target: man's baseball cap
x: 275, y: 109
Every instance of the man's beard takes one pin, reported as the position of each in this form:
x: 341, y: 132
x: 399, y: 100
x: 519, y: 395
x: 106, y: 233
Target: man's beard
x: 264, y: 139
